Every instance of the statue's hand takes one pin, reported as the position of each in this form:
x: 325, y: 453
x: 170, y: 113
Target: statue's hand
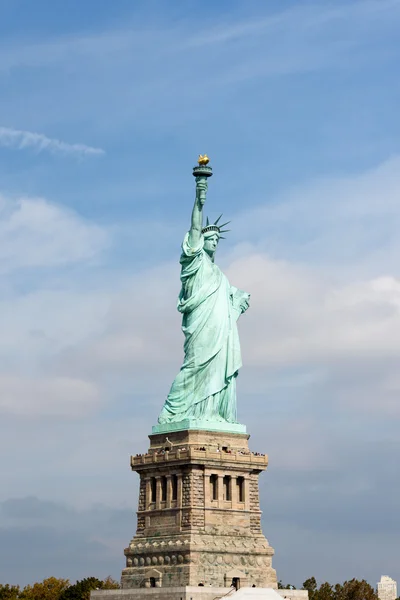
x: 201, y: 190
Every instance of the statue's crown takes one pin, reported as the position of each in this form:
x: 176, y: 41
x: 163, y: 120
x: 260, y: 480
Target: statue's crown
x: 215, y: 227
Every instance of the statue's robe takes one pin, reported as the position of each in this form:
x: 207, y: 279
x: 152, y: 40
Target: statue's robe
x: 205, y: 387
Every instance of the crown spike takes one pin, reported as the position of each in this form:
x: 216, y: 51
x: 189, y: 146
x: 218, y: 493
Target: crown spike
x: 214, y: 227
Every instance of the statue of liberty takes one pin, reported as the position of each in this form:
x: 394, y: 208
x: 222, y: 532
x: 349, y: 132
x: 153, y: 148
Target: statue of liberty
x: 204, y: 391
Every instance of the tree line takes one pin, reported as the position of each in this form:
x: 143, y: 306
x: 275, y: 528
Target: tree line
x: 354, y: 589
x: 61, y: 589
x: 57, y: 589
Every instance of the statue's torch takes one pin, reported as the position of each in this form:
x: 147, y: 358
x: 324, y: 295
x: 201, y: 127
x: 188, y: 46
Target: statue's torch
x: 202, y: 172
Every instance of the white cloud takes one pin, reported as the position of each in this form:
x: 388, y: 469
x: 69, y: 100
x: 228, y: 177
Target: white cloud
x: 36, y: 325
x: 50, y: 396
x: 39, y: 319
x: 299, y: 317
x: 37, y: 233
x: 308, y: 18
x: 15, y: 138
x: 346, y: 224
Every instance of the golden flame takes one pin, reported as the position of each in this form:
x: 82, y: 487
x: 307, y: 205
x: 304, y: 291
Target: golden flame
x: 203, y: 159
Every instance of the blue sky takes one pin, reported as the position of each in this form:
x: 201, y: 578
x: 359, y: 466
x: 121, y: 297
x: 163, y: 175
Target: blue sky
x: 104, y: 108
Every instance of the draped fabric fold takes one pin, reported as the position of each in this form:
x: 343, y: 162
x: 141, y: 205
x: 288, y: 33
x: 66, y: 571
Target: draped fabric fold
x: 205, y: 387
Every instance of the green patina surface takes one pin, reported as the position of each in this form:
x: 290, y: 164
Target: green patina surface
x: 203, y: 394
x: 199, y: 424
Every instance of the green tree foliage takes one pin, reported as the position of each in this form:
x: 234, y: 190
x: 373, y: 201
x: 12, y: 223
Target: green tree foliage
x: 325, y: 591
x: 311, y: 586
x: 9, y: 592
x: 353, y: 589
x: 57, y: 589
x: 60, y: 589
x: 284, y: 586
x: 358, y: 590
x: 81, y: 589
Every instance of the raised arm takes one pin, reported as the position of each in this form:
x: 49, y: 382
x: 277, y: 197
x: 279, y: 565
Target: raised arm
x: 197, y: 212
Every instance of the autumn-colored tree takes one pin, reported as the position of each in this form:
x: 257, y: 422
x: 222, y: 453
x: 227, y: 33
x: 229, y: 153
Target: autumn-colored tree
x: 9, y: 592
x: 110, y: 584
x: 48, y: 589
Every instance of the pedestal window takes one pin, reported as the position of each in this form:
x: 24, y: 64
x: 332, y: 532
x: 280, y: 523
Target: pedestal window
x: 163, y: 489
x: 174, y: 483
x: 153, y: 489
x: 227, y: 488
x: 214, y: 487
x: 240, y: 489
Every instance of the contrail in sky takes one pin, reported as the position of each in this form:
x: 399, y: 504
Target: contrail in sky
x: 15, y: 138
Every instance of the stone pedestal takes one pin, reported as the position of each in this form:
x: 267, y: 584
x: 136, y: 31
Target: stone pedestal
x: 199, y: 518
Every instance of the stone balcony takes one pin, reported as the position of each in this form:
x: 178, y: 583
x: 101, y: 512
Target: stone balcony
x: 257, y: 461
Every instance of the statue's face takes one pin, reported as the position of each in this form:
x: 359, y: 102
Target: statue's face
x: 210, y: 244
